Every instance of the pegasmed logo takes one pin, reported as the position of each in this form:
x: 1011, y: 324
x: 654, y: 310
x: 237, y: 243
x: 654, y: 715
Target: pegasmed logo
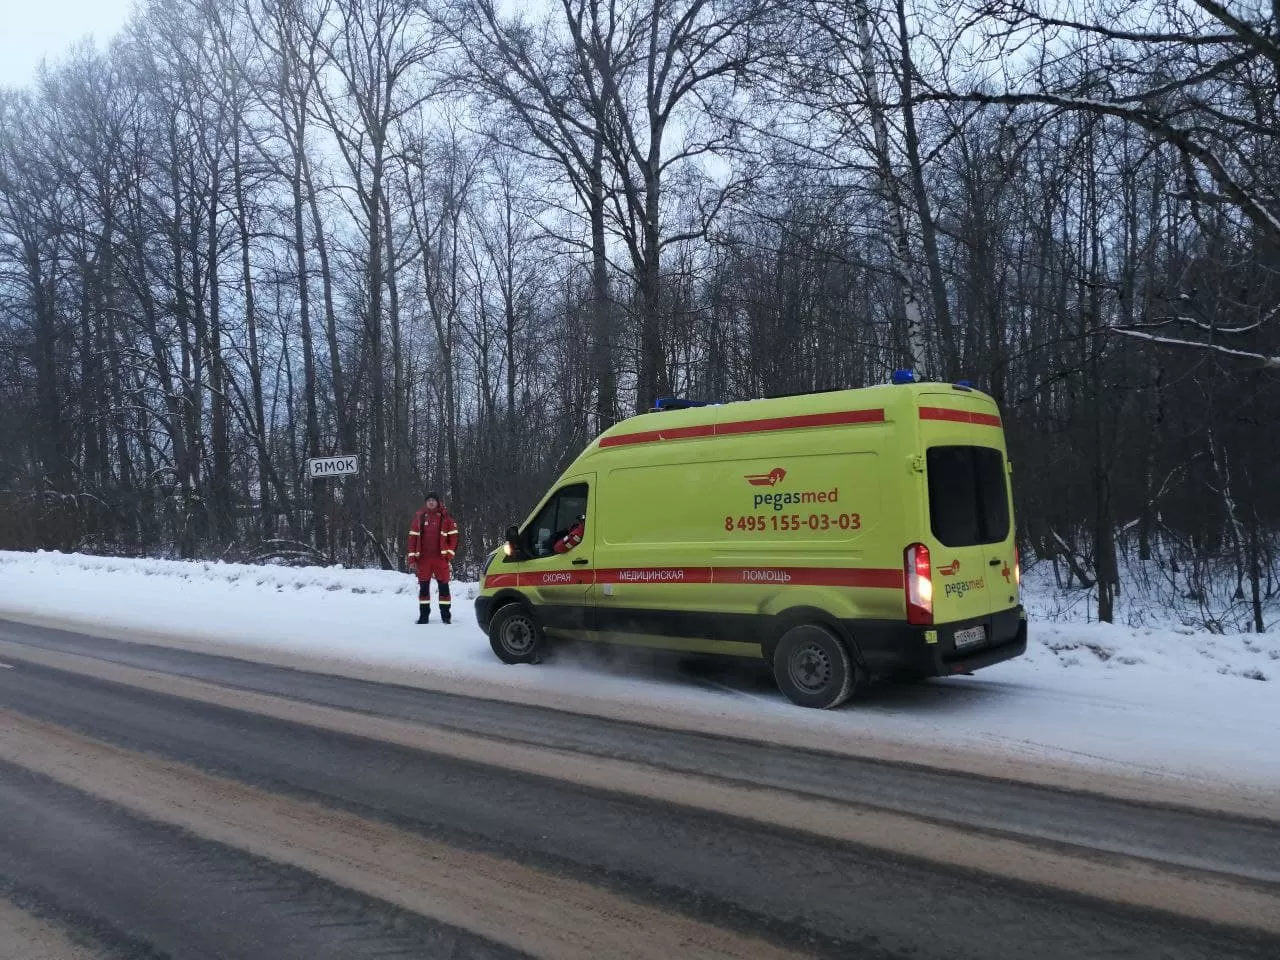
x: 960, y: 587
x: 780, y: 501
x: 770, y: 479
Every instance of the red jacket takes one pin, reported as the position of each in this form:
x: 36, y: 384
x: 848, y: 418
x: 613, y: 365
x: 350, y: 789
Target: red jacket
x: 570, y: 539
x: 433, y: 536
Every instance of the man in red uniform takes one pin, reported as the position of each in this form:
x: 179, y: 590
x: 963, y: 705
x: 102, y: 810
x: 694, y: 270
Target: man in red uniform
x: 433, y: 542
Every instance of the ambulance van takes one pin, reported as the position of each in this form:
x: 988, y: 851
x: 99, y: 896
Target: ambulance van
x: 842, y: 536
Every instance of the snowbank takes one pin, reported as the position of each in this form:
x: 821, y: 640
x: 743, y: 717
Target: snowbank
x: 1151, y: 631
x: 1164, y: 702
x: 1184, y: 597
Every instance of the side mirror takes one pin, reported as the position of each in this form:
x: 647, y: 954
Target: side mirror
x: 512, y: 546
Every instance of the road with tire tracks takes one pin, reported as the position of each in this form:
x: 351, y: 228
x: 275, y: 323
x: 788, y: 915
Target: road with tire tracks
x: 157, y: 802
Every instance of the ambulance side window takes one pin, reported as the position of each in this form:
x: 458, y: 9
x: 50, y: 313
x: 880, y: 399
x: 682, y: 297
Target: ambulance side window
x: 968, y: 502
x: 555, y: 519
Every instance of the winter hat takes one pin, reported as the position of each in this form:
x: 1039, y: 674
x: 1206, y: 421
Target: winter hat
x: 434, y: 496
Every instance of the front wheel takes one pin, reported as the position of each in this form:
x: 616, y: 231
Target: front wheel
x: 813, y: 668
x: 515, y: 636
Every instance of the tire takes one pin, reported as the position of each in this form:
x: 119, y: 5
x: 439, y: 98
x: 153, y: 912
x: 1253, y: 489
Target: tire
x: 813, y: 667
x: 515, y: 635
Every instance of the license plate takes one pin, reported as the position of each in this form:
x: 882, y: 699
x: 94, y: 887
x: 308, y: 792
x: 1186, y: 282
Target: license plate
x: 969, y: 636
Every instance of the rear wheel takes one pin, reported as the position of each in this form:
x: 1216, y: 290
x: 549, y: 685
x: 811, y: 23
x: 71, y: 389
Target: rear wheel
x: 515, y: 636
x: 813, y: 668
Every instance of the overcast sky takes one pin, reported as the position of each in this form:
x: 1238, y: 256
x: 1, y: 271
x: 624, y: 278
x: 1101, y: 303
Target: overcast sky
x: 32, y: 30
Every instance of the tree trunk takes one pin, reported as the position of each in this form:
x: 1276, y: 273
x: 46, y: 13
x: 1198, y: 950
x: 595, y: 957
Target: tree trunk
x: 341, y: 398
x: 601, y: 299
x: 314, y: 493
x: 912, y: 317
x: 401, y: 453
x: 259, y: 416
x: 652, y: 374
x: 375, y: 279
x: 928, y: 230
x: 220, y: 432
x: 1255, y: 576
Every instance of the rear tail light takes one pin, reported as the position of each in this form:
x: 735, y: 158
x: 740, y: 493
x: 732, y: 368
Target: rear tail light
x: 1017, y: 566
x: 919, y: 585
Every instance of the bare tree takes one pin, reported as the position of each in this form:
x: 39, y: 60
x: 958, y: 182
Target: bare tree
x: 377, y: 51
x: 527, y: 71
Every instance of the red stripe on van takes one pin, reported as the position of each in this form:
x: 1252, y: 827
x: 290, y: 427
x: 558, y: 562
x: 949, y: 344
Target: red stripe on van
x: 653, y: 575
x: 865, y: 577
x: 812, y: 576
x: 653, y: 436
x: 558, y: 578
x: 802, y: 421
x: 959, y: 416
x: 798, y: 422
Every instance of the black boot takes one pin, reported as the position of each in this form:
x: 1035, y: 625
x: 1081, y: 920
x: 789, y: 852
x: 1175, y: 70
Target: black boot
x: 446, y: 604
x: 424, y: 601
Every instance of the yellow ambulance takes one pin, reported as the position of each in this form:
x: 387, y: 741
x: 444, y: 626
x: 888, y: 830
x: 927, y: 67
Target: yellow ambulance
x: 842, y: 537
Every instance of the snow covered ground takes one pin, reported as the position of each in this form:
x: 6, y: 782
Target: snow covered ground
x: 1165, y: 702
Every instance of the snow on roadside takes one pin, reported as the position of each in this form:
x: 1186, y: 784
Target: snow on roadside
x: 1153, y: 593
x: 1158, y: 701
x: 1146, y: 634
x: 1249, y: 656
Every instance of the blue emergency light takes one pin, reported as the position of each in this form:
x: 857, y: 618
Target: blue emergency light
x: 967, y: 384
x: 678, y: 403
x: 903, y: 376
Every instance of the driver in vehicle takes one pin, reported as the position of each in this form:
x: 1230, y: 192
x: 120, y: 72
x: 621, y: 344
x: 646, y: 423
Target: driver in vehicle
x: 566, y: 541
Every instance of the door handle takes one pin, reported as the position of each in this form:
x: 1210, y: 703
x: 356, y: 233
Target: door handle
x: 581, y: 563
x: 996, y: 562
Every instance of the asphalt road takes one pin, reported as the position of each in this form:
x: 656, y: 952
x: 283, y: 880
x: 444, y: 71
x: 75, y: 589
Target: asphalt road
x: 162, y: 803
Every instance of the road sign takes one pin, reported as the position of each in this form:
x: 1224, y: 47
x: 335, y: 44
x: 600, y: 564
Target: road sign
x: 322, y: 467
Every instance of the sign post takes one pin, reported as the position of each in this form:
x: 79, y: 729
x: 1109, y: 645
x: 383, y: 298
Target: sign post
x: 320, y: 468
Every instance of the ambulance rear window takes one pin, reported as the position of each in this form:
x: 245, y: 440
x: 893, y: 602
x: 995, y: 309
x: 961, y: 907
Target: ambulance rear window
x: 968, y: 503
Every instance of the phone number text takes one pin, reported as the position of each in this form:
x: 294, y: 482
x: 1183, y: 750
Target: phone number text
x: 794, y: 522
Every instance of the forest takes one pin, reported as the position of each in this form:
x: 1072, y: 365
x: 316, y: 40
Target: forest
x: 458, y: 238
